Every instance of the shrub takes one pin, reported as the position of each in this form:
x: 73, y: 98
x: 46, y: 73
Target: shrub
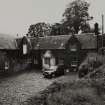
x: 81, y: 92
x: 92, y: 62
x: 98, y: 79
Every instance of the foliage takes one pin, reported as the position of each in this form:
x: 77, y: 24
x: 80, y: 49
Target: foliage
x: 80, y: 92
x: 75, y: 18
x: 76, y: 15
x: 59, y: 29
x: 39, y: 30
x: 92, y: 61
x: 56, y: 29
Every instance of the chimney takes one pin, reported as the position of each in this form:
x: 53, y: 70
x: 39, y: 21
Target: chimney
x: 96, y: 30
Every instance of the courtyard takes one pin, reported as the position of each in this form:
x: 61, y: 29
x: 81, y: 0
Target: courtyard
x: 17, y: 88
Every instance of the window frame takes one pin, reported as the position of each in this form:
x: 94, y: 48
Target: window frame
x: 47, y: 61
x: 73, y: 48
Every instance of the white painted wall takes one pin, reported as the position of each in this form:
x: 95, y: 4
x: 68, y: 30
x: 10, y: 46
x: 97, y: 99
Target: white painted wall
x: 52, y: 60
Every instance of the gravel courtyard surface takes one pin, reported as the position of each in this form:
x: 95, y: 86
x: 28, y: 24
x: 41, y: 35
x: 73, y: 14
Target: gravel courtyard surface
x: 18, y: 88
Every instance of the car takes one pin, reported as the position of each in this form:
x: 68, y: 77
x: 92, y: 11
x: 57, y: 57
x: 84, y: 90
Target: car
x: 83, y: 70
x: 74, y: 66
x: 49, y: 72
x: 54, y: 71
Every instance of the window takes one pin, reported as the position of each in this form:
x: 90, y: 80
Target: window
x: 73, y: 48
x: 35, y: 61
x: 24, y: 49
x: 47, y: 60
x: 74, y: 63
x: 6, y: 65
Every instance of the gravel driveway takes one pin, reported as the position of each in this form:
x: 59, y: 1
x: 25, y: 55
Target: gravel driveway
x: 18, y: 88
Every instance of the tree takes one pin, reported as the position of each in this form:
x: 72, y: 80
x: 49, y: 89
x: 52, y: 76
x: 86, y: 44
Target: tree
x: 86, y: 28
x: 59, y: 29
x: 76, y: 15
x: 96, y: 28
x: 39, y: 30
x: 56, y: 29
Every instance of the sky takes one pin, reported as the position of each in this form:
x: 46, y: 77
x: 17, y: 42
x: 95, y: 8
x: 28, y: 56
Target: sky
x: 17, y: 15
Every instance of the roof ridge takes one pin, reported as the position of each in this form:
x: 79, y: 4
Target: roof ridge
x: 62, y: 35
x: 55, y: 36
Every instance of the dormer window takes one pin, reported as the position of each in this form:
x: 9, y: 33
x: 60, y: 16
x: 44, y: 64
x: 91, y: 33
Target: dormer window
x: 73, y: 48
x: 25, y: 45
x: 24, y: 49
x: 62, y: 44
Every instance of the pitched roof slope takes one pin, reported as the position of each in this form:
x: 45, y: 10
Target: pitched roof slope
x: 52, y: 42
x: 7, y: 42
x: 88, y: 41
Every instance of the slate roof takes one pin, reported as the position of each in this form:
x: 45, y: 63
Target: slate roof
x: 7, y: 42
x: 52, y: 42
x: 88, y: 41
